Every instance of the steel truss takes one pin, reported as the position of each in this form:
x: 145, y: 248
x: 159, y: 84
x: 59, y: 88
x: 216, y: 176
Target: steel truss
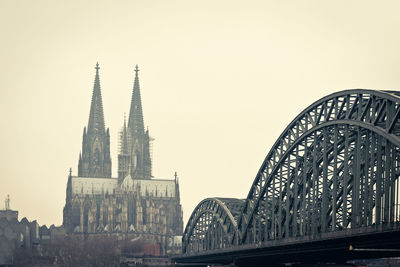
x: 212, y: 224
x: 335, y: 167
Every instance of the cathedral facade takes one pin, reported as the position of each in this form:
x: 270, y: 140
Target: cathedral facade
x: 133, y: 203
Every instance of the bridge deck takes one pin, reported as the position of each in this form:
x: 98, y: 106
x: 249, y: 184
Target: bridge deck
x: 375, y: 242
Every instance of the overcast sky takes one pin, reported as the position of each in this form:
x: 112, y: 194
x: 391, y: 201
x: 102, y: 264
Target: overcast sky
x: 220, y: 80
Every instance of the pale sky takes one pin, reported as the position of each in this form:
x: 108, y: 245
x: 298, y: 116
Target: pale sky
x: 220, y: 80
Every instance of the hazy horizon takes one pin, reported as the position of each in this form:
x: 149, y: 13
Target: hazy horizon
x: 220, y: 80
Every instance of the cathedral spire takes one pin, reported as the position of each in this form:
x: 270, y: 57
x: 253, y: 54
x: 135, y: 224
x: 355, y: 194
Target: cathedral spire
x: 95, y: 160
x: 138, y: 160
x: 135, y: 122
x: 96, y: 115
x: 124, y: 145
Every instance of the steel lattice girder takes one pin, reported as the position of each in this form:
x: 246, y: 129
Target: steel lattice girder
x: 335, y: 166
x: 212, y: 219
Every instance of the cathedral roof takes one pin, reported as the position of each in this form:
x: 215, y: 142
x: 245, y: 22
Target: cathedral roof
x: 84, y: 185
x: 158, y: 188
x: 127, y: 183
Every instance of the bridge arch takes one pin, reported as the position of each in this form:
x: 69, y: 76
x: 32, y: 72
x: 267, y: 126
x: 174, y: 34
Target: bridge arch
x: 364, y: 124
x: 336, y: 166
x: 212, y: 224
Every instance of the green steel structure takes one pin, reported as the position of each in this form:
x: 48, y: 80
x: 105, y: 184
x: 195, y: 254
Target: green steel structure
x: 334, y: 170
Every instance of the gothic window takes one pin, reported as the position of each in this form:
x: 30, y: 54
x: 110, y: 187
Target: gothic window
x: 131, y: 211
x: 137, y: 163
x: 76, y: 216
x: 105, y: 215
x: 144, y: 214
x: 86, y: 217
x: 98, y: 213
x: 96, y: 158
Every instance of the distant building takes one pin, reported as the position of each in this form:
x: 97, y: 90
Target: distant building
x: 134, y: 202
x: 8, y: 213
x: 24, y: 235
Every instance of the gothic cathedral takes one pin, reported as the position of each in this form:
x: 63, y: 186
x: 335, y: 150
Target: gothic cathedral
x: 134, y: 203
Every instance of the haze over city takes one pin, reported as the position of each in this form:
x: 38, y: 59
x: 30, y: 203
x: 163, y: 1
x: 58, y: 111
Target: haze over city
x: 219, y: 81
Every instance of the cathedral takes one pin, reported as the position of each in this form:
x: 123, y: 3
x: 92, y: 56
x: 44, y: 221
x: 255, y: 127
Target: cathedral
x: 133, y: 203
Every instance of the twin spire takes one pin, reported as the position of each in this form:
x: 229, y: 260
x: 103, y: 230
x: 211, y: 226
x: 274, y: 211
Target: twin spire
x: 135, y: 122
x: 96, y: 115
x: 95, y: 160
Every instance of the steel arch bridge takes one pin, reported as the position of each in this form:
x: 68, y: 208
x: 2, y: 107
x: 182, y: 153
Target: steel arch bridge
x: 335, y: 168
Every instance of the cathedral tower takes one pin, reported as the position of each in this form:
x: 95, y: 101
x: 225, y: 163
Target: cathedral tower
x: 135, y: 204
x: 95, y: 160
x: 134, y: 158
